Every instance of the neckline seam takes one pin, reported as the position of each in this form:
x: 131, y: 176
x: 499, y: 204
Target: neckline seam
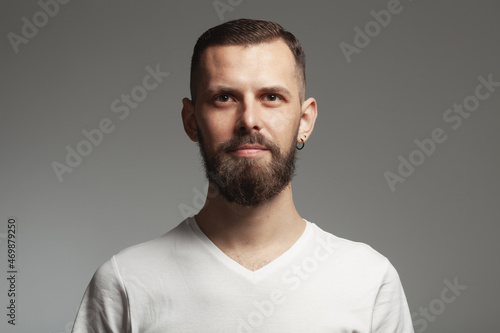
x: 259, y: 274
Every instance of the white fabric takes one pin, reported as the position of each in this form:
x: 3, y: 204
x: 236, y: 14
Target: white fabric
x: 181, y: 282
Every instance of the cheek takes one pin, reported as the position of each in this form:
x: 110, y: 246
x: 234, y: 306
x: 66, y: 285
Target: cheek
x: 275, y: 120
x: 216, y: 129
x: 284, y: 128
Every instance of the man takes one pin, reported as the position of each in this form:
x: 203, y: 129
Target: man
x: 247, y: 262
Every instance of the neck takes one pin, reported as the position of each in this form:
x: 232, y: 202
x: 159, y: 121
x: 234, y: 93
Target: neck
x: 241, y: 228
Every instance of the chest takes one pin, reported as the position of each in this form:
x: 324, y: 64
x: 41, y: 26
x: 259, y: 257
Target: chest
x: 208, y: 296
x: 227, y: 305
x: 251, y: 261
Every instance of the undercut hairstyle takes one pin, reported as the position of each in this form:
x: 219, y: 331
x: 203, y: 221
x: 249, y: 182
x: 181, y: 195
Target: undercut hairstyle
x: 247, y: 32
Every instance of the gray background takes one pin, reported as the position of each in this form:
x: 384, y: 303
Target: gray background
x: 441, y: 223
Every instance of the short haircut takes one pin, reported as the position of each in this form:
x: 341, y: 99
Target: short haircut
x: 247, y: 32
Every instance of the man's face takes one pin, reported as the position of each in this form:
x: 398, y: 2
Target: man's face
x: 247, y: 115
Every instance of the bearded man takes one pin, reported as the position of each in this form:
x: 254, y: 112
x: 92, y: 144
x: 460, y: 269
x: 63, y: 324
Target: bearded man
x: 247, y: 262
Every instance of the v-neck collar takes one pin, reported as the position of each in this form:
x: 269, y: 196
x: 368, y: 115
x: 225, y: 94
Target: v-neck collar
x: 259, y: 274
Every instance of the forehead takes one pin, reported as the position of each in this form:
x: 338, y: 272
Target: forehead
x: 258, y: 64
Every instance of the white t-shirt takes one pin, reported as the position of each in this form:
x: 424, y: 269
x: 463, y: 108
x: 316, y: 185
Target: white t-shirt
x: 181, y: 282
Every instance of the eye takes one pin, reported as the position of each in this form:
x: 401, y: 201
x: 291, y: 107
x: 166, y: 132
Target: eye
x: 272, y: 97
x: 273, y: 100
x: 223, y: 98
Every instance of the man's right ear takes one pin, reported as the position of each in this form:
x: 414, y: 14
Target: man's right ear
x: 188, y: 119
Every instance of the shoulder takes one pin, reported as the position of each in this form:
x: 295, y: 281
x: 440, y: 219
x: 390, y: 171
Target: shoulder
x: 342, y: 246
x: 144, y: 257
x: 356, y: 257
x: 172, y: 239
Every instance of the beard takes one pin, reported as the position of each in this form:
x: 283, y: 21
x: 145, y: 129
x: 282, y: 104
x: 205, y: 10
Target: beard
x: 248, y: 181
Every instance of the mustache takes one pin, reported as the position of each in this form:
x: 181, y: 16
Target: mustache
x: 255, y: 138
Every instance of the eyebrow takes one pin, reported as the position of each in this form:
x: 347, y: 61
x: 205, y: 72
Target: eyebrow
x: 219, y: 89
x: 230, y: 90
x: 277, y: 89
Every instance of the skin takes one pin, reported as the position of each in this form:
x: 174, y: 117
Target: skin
x: 243, y: 89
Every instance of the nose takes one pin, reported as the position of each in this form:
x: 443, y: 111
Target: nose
x: 249, y: 118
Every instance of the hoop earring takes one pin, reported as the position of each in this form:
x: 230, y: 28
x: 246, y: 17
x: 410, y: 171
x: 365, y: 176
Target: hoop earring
x: 303, y: 144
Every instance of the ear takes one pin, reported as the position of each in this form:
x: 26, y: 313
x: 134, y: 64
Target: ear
x: 188, y: 119
x: 307, y: 119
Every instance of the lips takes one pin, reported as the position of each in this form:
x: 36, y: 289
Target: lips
x: 250, y: 147
x: 249, y: 150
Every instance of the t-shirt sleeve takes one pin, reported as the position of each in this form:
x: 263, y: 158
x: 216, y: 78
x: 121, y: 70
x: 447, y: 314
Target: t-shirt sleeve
x: 104, y: 308
x: 391, y: 313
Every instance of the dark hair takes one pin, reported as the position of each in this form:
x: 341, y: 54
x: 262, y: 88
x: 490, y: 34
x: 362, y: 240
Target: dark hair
x: 246, y: 32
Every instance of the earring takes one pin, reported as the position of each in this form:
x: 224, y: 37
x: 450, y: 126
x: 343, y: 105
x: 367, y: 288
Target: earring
x: 303, y: 144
